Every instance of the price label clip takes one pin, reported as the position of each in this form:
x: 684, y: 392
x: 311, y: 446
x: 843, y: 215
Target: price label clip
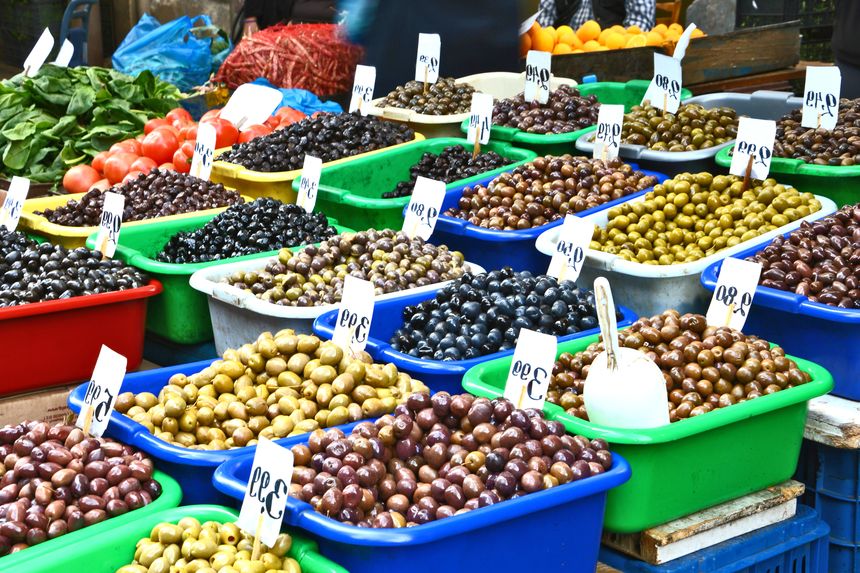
x: 821, y: 97
x: 309, y: 183
x: 753, y: 149
x: 204, y: 151
x: 427, y: 59
x: 13, y: 203
x: 607, y: 141
x: 354, y: 315
x: 110, y: 223
x: 733, y: 295
x: 265, y: 498
x: 102, y: 392
x: 362, y: 87
x: 538, y: 76
x: 574, y: 238
x: 480, y: 121
x: 424, y: 208
x: 665, y: 85
x: 531, y: 368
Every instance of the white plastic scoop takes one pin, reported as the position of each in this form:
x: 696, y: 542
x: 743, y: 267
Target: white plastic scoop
x: 624, y: 388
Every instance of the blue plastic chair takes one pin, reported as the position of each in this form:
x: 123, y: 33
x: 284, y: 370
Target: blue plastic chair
x: 77, y: 10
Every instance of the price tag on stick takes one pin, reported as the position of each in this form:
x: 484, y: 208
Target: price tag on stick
x: 734, y: 294
x: 608, y: 139
x: 821, y: 97
x: 309, y: 183
x: 67, y: 50
x: 362, y: 88
x: 102, y: 392
x: 13, y: 203
x: 538, y: 75
x: 531, y: 368
x: 39, y: 54
x: 354, y: 315
x: 427, y: 60
x: 265, y: 498
x: 480, y: 121
x: 204, y: 151
x: 664, y: 91
x: 250, y: 104
x: 573, y: 240
x: 424, y: 207
x: 753, y: 149
x: 110, y: 223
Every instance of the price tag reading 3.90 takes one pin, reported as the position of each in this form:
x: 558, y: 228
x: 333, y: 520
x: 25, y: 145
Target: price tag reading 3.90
x: 821, y: 97
x: 424, y: 207
x: 573, y: 240
x: 354, y: 315
x: 734, y: 293
x: 102, y: 392
x: 531, y: 368
x: 607, y: 141
x: 664, y: 91
x: 754, y: 141
x: 265, y: 498
x: 427, y: 60
x: 538, y: 75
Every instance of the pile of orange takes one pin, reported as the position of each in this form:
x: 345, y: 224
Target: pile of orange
x: 591, y: 38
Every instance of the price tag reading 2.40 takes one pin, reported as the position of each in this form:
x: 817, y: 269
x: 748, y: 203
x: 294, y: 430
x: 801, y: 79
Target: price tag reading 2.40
x: 265, y: 498
x: 608, y: 139
x: 102, y: 392
x: 754, y: 141
x: 424, y: 207
x: 573, y: 240
x: 354, y: 315
x: 110, y: 223
x: 538, y: 75
x: 733, y: 296
x: 821, y: 97
x: 531, y: 368
x: 427, y: 59
x: 664, y: 91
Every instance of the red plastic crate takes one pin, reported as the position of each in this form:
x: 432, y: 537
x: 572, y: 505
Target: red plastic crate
x: 58, y: 341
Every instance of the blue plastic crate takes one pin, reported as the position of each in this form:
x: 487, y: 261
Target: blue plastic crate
x: 797, y: 545
x: 438, y: 375
x: 554, y: 530
x: 165, y: 352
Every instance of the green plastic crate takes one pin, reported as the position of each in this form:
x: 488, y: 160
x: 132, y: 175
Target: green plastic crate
x: 58, y: 551
x: 111, y: 550
x: 353, y: 191
x: 692, y: 464
x: 842, y: 184
x: 179, y: 314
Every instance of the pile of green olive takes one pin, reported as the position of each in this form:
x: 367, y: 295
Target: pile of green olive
x: 693, y: 127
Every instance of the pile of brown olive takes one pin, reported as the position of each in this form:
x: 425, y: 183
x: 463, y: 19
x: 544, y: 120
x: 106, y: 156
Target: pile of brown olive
x: 445, y: 97
x: 546, y: 190
x: 696, y: 215
x: 705, y: 367
x: 566, y: 110
x: 819, y: 146
x: 820, y: 260
x: 282, y: 385
x: 437, y: 457
x: 692, y: 127
x: 314, y: 276
x: 56, y: 480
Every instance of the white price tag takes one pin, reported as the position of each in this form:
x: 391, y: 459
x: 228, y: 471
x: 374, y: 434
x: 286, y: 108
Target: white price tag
x: 571, y: 248
x: 102, y: 392
x: 427, y: 60
x: 424, y: 208
x: 265, y: 498
x: 664, y: 91
x: 362, y: 88
x: 607, y: 141
x: 821, y: 97
x: 538, y: 74
x: 754, y: 141
x: 67, y: 50
x: 531, y: 368
x: 204, y: 151
x: 110, y: 223
x: 354, y: 315
x: 683, y: 42
x: 480, y: 119
x: 526, y: 24
x: 734, y: 294
x: 39, y: 54
x: 250, y: 104
x: 309, y: 183
x: 13, y: 203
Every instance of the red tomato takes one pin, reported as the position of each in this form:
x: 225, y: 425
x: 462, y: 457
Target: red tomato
x: 152, y: 124
x: 167, y: 167
x: 99, y: 161
x: 187, y: 148
x: 160, y: 145
x: 189, y: 132
x: 140, y: 137
x: 272, y: 122
x: 129, y: 145
x: 211, y: 113
x: 181, y: 161
x: 178, y: 113
x: 288, y: 115
x: 131, y: 176
x: 226, y: 133
x: 253, y: 132
x: 80, y: 178
x: 168, y: 128
x: 144, y: 165
x: 118, y: 165
x: 101, y: 184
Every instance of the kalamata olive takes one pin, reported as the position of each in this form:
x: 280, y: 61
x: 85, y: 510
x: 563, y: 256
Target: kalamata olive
x: 57, y: 528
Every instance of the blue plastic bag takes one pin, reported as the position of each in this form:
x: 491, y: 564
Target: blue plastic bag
x: 301, y: 100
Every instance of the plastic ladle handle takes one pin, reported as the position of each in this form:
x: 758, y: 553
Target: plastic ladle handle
x: 606, y: 317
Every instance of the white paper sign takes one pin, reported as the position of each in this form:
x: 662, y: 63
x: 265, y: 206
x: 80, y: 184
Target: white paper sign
x: 607, y: 141
x: 821, y: 97
x: 39, y: 54
x: 480, y: 119
x: 538, y: 75
x: 683, y: 42
x: 362, y: 88
x: 67, y: 50
x: 110, y: 223
x: 13, y: 203
x: 102, y: 392
x: 427, y: 59
x: 250, y: 104
x: 755, y: 140
x: 571, y: 248
x: 309, y: 183
x: 531, y: 368
x: 204, y: 150
x: 734, y: 294
x: 265, y: 498
x: 424, y: 207
x: 526, y: 24
x: 664, y: 91
x: 354, y: 314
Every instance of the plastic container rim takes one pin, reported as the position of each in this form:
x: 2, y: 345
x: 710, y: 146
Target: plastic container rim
x: 792, y: 166
x: 152, y: 288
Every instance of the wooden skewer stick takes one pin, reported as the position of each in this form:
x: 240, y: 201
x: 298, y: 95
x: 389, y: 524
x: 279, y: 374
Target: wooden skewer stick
x: 665, y: 102
x: 425, y: 79
x: 729, y: 314
x: 255, y: 552
x: 477, y: 149
x: 748, y: 174
x: 522, y: 396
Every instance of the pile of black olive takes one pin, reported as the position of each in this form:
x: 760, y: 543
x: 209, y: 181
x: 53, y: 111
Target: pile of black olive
x: 33, y: 272
x: 262, y: 225
x: 445, y: 97
x: 454, y: 163
x: 566, y: 110
x: 327, y: 136
x: 481, y: 314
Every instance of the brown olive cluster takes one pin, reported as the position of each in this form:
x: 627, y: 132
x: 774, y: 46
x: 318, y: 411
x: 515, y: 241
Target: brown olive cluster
x: 705, y: 367
x: 546, y: 190
x: 819, y: 146
x: 437, y: 457
x: 566, y: 110
x: 692, y: 127
x: 445, y: 97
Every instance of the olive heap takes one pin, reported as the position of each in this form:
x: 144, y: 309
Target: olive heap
x: 705, y: 367
x: 314, y: 276
x: 262, y: 225
x: 481, y: 314
x: 281, y: 385
x: 437, y: 457
x: 819, y: 146
x: 56, y: 480
x: 692, y: 127
x: 157, y: 194
x: 547, y: 189
x: 326, y: 136
x: 445, y: 97
x: 820, y: 260
x: 454, y: 163
x: 696, y: 215
x: 207, y: 547
x: 566, y: 110
x: 33, y: 272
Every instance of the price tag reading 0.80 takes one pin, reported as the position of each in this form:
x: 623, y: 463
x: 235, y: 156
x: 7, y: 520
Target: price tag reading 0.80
x: 426, y: 214
x: 574, y: 253
x: 671, y: 87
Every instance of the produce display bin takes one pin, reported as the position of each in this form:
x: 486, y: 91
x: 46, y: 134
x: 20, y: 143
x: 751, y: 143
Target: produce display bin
x: 115, y: 548
x: 798, y: 544
x: 743, y: 448
x: 437, y: 374
x: 73, y: 331
x: 38, y: 557
x: 648, y: 288
x: 353, y: 191
x: 239, y: 316
x: 277, y: 184
x: 180, y: 314
x: 494, y: 249
x: 465, y: 542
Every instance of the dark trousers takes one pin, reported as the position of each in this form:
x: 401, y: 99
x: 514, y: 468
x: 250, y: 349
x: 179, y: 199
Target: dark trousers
x: 850, y: 80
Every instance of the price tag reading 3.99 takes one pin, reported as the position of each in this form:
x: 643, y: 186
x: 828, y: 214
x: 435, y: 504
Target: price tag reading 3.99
x: 607, y: 141
x: 265, y: 498
x: 102, y: 392
x: 354, y: 315
x: 424, y: 207
x: 754, y: 141
x: 427, y: 60
x: 13, y: 204
x: 573, y: 240
x: 664, y: 91
x: 821, y: 97
x: 362, y: 88
x: 538, y: 75
x: 531, y: 368
x: 309, y: 183
x: 734, y: 293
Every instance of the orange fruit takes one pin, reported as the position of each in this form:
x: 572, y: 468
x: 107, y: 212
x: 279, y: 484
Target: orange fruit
x: 552, y: 32
x: 634, y: 29
x: 590, y: 30
x: 542, y: 41
x: 603, y: 35
x: 569, y: 38
x: 618, y: 28
x: 697, y: 33
x: 591, y: 46
x: 525, y: 45
x: 676, y: 27
x: 615, y: 41
x: 660, y: 29
x: 535, y: 26
x: 601, y: 49
x: 653, y: 39
x: 578, y: 51
x: 673, y: 36
x: 637, y: 41
x: 564, y: 30
x: 562, y: 48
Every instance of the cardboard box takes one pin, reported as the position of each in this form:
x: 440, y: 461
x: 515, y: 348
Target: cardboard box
x: 48, y: 405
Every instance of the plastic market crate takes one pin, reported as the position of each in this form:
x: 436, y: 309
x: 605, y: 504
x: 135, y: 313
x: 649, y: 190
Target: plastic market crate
x: 439, y: 375
x: 465, y: 542
x: 797, y: 545
x: 687, y: 466
x: 353, y: 191
x: 650, y: 289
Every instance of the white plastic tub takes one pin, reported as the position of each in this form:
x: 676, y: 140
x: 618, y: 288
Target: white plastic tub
x: 651, y: 289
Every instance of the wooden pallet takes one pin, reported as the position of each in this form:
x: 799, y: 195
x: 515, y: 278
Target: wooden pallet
x: 833, y: 421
